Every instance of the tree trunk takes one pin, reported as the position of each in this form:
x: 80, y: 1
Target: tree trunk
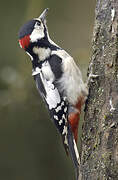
x: 99, y: 158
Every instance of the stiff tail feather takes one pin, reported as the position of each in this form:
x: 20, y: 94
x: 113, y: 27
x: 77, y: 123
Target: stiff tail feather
x: 74, y: 118
x: 73, y: 151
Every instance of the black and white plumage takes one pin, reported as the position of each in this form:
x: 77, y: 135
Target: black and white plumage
x: 58, y: 79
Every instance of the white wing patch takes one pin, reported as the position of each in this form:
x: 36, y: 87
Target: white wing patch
x: 37, y: 33
x: 52, y: 95
x: 47, y: 77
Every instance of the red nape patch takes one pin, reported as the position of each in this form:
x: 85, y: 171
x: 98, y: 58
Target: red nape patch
x: 25, y: 41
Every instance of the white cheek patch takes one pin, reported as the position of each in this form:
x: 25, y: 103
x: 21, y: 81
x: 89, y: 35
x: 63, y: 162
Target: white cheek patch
x: 37, y: 34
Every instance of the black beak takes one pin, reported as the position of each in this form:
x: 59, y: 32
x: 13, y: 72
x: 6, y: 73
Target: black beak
x: 43, y: 15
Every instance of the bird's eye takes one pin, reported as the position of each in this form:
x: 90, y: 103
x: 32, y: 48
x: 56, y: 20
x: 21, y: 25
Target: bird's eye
x: 38, y: 23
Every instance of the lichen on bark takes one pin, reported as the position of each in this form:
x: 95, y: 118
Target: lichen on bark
x: 99, y: 158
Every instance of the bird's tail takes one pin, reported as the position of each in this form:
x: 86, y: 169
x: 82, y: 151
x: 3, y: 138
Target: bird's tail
x: 73, y: 151
x: 74, y: 118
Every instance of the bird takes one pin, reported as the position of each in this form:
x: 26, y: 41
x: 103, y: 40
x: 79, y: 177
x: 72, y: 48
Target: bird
x: 58, y: 80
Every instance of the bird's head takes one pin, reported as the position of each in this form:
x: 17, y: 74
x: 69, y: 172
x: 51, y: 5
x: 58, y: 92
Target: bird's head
x: 33, y: 31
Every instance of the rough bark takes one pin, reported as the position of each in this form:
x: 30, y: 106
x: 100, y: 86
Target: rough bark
x: 99, y: 158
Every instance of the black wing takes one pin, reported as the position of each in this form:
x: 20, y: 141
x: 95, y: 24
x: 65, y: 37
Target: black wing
x: 58, y: 108
x: 57, y: 105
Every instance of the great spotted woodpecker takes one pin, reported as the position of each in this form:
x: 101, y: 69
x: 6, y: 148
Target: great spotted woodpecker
x: 58, y: 80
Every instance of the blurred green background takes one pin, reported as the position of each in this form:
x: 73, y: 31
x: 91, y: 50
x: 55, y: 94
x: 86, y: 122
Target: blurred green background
x: 30, y: 147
